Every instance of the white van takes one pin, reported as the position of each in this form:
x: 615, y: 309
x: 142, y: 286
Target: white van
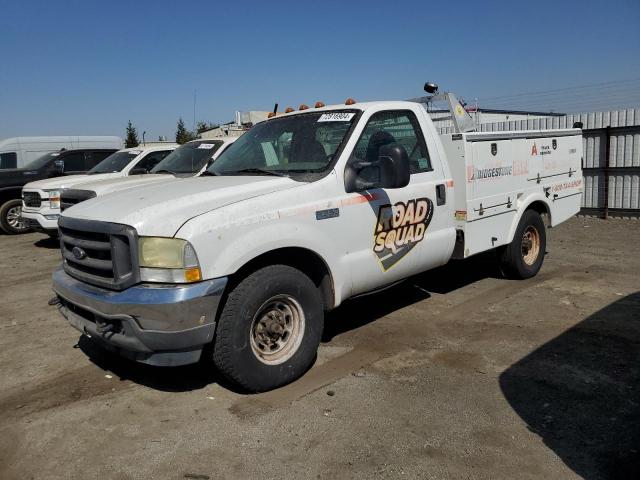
x: 16, y: 152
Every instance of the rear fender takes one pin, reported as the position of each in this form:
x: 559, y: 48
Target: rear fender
x: 524, y: 205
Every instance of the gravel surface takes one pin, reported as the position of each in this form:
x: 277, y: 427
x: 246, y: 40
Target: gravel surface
x: 454, y: 374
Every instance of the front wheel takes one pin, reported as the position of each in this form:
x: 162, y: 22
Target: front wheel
x: 11, y: 220
x: 269, y: 329
x: 523, y: 257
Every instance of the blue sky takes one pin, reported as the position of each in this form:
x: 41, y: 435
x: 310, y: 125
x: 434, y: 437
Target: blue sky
x: 86, y: 67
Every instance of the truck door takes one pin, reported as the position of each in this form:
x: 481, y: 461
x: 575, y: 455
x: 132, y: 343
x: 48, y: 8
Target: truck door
x: 395, y: 233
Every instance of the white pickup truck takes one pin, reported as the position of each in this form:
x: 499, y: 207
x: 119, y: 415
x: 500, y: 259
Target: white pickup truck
x: 304, y: 211
x: 41, y: 199
x: 188, y: 160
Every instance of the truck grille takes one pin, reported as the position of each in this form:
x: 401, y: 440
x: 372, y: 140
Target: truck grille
x: 100, y: 253
x: 31, y: 199
x: 69, y: 198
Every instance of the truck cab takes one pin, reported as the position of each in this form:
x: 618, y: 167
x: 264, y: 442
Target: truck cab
x: 41, y: 199
x: 49, y: 165
x: 302, y: 212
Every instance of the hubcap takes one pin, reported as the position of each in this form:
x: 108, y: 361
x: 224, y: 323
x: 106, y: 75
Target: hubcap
x: 14, y: 218
x: 530, y: 245
x: 277, y: 330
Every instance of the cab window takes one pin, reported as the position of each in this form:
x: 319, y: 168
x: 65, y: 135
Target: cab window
x: 8, y: 160
x: 94, y: 158
x: 74, y: 162
x: 394, y: 127
x: 151, y: 160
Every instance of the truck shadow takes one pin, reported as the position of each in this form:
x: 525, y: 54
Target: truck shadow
x: 48, y: 243
x: 351, y: 315
x: 456, y: 274
x: 581, y: 392
x: 167, y: 379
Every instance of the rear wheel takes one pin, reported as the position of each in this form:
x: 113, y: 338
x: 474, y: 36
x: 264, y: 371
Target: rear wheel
x: 11, y: 220
x: 269, y: 329
x: 523, y: 257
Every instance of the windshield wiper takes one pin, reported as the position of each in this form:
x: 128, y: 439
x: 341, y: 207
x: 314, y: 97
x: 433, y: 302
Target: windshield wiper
x: 257, y: 170
x: 164, y: 170
x: 207, y: 173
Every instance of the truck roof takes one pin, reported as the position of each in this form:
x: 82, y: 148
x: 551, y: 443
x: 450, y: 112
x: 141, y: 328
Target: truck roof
x: 146, y: 148
x: 61, y: 138
x: 390, y: 104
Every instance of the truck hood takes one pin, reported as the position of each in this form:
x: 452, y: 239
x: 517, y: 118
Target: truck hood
x: 71, y: 181
x: 162, y: 209
x: 110, y: 185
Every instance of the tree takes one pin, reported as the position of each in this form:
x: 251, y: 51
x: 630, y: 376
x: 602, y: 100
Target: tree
x: 182, y: 134
x: 131, y: 139
x: 203, y: 126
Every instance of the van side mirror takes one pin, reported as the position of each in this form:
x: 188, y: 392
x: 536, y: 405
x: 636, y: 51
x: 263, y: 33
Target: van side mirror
x: 58, y: 167
x: 391, y: 170
x: 138, y: 171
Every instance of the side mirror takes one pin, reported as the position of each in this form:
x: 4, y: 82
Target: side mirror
x: 391, y: 170
x: 138, y: 171
x: 58, y: 167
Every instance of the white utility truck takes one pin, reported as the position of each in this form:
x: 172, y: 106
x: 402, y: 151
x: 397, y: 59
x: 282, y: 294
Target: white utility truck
x: 302, y: 212
x: 41, y: 199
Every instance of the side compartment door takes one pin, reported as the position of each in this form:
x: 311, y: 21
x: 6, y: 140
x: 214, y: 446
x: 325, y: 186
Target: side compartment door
x: 395, y: 233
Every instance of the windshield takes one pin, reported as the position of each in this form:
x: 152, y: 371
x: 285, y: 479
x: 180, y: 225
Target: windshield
x: 41, y: 161
x: 114, y: 162
x: 189, y: 158
x: 298, y: 144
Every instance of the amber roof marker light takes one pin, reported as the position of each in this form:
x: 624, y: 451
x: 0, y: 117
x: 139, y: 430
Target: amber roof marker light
x: 319, y: 104
x: 289, y: 110
x: 349, y: 101
x: 303, y: 107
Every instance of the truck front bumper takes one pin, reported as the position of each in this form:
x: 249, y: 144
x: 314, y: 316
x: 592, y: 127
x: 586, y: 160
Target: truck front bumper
x: 44, y: 223
x: 157, y: 324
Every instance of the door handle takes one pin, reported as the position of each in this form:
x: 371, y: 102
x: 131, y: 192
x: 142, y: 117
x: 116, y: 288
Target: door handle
x: 441, y: 194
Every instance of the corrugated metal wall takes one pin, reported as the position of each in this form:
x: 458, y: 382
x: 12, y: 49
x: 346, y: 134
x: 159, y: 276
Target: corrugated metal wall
x: 613, y: 186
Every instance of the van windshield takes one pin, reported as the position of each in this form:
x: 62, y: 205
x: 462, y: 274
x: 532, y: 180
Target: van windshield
x: 291, y: 146
x: 188, y: 158
x: 41, y: 161
x: 114, y: 162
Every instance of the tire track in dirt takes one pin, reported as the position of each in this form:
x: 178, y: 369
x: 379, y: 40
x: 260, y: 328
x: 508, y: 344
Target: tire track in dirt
x: 75, y: 386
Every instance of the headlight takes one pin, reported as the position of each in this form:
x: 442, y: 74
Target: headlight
x: 54, y: 198
x: 170, y: 260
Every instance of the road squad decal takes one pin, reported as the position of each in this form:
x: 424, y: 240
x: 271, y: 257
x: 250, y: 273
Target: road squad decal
x: 400, y: 227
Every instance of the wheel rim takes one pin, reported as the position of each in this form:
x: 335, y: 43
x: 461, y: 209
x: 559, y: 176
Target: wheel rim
x: 14, y: 218
x: 277, y: 330
x: 530, y: 245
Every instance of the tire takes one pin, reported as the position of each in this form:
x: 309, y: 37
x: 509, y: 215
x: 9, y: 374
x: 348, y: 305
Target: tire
x: 523, y: 257
x: 9, y: 223
x: 269, y: 329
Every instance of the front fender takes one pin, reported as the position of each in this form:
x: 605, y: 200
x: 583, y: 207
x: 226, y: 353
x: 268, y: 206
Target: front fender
x: 223, y: 250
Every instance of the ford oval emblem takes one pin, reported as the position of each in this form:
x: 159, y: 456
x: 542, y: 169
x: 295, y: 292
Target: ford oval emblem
x: 78, y: 253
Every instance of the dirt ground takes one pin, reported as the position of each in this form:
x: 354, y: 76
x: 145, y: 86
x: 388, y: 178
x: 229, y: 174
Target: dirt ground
x: 453, y: 374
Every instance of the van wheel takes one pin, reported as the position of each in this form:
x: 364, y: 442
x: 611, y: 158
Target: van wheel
x: 523, y: 257
x: 269, y: 329
x: 11, y: 220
